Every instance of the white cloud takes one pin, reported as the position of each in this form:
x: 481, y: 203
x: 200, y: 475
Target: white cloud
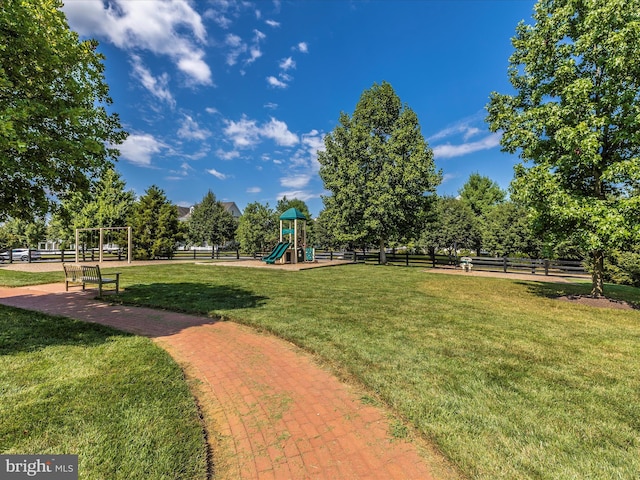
x: 254, y: 190
x: 244, y: 133
x: 157, y: 86
x: 190, y: 130
x: 172, y: 28
x: 299, y: 194
x: 247, y: 133
x: 450, y: 151
x: 237, y: 48
x: 271, y: 105
x: 217, y: 174
x: 287, y: 63
x: 303, y: 47
x: 274, y: 82
x: 279, y: 132
x: 272, y: 23
x: 140, y: 148
x: 211, y: 110
x: 295, y: 181
x: 227, y: 155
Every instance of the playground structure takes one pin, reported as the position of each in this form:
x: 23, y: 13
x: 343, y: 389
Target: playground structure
x: 293, y: 248
x: 101, y: 241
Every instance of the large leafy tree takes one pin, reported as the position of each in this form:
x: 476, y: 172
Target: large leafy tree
x: 453, y: 226
x: 507, y: 231
x: 55, y: 131
x: 155, y: 226
x: 210, y: 223
x: 257, y: 228
x: 379, y: 170
x: 576, y: 117
x: 481, y: 194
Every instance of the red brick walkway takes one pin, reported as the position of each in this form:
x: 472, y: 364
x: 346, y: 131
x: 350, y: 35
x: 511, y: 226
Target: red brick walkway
x: 278, y: 414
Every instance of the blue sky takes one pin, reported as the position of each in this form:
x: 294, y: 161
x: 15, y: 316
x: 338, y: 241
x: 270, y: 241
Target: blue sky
x: 236, y: 96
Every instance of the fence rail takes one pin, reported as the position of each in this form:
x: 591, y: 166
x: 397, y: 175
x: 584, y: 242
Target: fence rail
x: 504, y: 264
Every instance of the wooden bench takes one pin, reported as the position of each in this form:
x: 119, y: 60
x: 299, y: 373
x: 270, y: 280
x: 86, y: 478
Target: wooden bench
x: 83, y: 274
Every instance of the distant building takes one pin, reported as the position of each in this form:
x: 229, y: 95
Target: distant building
x: 185, y: 212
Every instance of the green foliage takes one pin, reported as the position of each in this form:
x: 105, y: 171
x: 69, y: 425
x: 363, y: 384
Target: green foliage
x: 507, y: 232
x: 55, y: 132
x: 576, y: 116
x: 22, y: 233
x: 155, y: 228
x: 379, y: 171
x: 257, y: 228
x: 454, y: 226
x: 481, y: 193
x: 623, y: 268
x: 209, y: 223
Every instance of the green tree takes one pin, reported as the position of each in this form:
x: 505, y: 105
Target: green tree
x: 454, y: 226
x: 209, y: 223
x: 379, y: 170
x: 154, y: 223
x: 507, y: 231
x: 16, y: 232
x: 576, y: 117
x: 55, y: 132
x: 481, y: 193
x: 257, y: 228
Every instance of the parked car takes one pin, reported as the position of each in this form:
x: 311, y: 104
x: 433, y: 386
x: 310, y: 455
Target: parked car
x: 20, y: 254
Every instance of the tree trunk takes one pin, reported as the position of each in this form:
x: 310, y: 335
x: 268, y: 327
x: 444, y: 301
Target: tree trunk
x: 383, y: 254
x: 597, y: 273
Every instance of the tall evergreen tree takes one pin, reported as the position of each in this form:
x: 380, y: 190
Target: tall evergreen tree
x: 379, y: 171
x: 154, y: 225
x: 576, y: 117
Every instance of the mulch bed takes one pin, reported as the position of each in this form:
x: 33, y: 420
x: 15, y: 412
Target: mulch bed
x: 600, y: 302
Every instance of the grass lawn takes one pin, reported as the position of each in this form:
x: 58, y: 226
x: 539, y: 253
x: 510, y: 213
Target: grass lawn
x: 507, y: 381
x: 116, y: 400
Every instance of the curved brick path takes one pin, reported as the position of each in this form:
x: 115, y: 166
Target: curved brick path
x: 278, y: 414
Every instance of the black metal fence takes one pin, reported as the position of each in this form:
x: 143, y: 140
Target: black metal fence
x: 496, y: 264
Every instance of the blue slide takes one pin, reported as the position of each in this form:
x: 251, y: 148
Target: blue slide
x: 277, y: 253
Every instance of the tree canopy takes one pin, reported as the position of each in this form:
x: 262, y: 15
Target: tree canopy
x: 55, y: 131
x: 210, y: 223
x: 576, y: 117
x: 379, y: 170
x: 154, y: 223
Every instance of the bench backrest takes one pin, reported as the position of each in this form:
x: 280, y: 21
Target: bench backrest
x: 91, y: 273
x: 72, y: 271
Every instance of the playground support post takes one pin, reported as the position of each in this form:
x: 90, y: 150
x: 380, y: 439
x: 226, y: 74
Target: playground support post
x: 101, y: 230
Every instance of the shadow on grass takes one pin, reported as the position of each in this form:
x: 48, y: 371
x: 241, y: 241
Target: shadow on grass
x: 197, y: 298
x: 617, y: 293
x: 28, y: 331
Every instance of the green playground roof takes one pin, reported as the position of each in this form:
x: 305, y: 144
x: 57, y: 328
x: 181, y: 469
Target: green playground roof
x: 293, y: 214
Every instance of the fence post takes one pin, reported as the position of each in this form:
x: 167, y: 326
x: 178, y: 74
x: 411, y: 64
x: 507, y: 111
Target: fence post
x: 407, y: 258
x: 433, y: 258
x: 379, y: 258
x: 546, y: 266
x: 504, y: 264
x: 331, y: 255
x: 237, y: 253
x: 62, y: 255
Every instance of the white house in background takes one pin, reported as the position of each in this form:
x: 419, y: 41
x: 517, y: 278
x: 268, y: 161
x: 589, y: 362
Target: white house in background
x: 185, y: 212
